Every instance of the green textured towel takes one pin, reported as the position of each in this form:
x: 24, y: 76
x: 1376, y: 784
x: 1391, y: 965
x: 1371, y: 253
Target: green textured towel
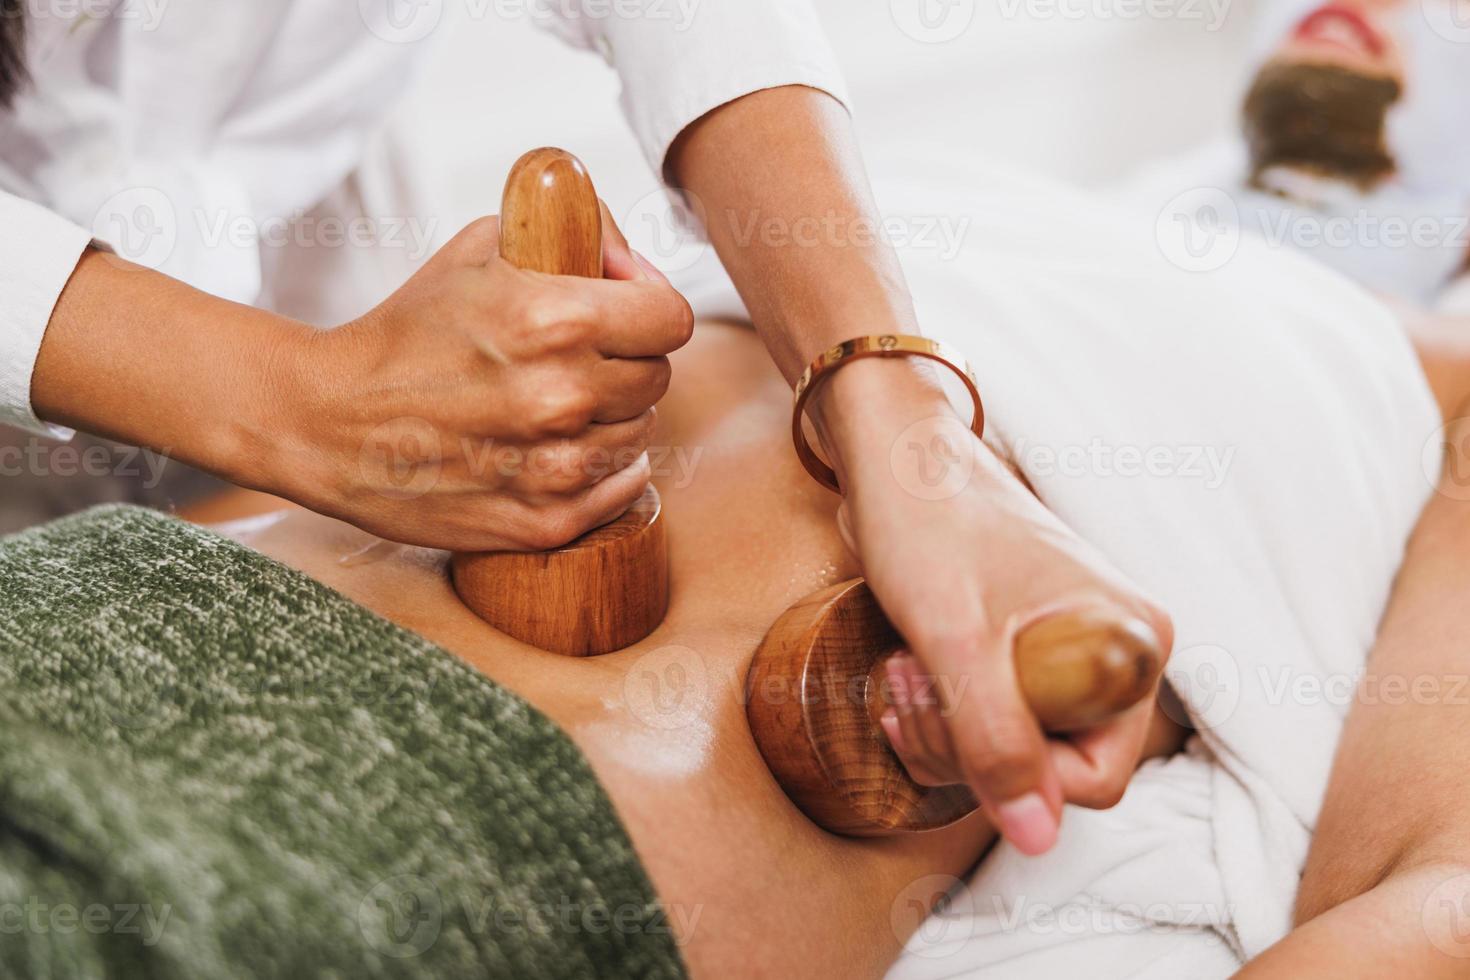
x: 211, y: 765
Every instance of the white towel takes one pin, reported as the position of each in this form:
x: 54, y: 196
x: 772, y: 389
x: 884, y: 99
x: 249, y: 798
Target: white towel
x: 1246, y: 443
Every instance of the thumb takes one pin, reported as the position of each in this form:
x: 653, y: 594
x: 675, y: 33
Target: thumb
x: 478, y: 243
x: 998, y: 744
x: 619, y: 260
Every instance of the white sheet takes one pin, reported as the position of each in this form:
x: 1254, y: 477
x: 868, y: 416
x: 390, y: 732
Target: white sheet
x: 1079, y: 327
x: 1275, y: 559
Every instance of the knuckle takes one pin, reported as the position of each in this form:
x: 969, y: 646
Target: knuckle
x: 640, y: 471
x: 639, y: 434
x: 1002, y: 756
x: 563, y: 470
x: 1101, y: 793
x: 563, y: 409
x: 551, y: 322
x: 477, y: 242
x: 1163, y: 626
x: 551, y: 528
x: 686, y: 321
x: 482, y: 228
x: 661, y: 373
x: 681, y: 319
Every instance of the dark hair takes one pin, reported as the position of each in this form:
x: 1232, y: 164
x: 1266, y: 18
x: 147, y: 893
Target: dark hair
x: 12, y: 49
x: 1321, y: 118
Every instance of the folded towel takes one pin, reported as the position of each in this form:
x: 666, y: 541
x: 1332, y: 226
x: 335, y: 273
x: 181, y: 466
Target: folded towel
x: 211, y: 765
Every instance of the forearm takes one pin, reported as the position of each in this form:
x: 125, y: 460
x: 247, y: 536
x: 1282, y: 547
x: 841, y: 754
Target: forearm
x: 788, y: 208
x: 1391, y: 845
x: 1407, y: 926
x: 136, y: 356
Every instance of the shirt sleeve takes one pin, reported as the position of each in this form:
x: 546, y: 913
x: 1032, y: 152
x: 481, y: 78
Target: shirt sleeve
x: 38, y: 252
x: 680, y: 59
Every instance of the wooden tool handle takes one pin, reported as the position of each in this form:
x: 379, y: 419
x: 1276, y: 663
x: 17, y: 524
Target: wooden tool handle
x: 550, y: 219
x: 815, y: 692
x: 609, y: 588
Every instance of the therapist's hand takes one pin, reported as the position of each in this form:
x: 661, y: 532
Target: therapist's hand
x: 484, y: 407
x: 962, y: 557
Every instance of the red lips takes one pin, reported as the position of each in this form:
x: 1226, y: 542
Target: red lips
x: 1339, y: 24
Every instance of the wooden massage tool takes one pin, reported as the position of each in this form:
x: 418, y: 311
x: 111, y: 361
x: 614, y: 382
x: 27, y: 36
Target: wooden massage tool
x: 609, y: 588
x: 815, y: 693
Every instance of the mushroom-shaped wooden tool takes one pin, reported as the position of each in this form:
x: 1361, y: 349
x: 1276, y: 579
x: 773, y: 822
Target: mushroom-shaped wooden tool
x: 814, y: 696
x: 609, y: 588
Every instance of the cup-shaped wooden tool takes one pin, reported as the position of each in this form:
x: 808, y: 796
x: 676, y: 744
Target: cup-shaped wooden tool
x: 609, y: 588
x: 815, y: 693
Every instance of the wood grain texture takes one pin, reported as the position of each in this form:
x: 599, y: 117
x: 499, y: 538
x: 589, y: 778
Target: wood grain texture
x: 813, y: 697
x: 609, y: 588
x: 603, y: 592
x: 550, y: 220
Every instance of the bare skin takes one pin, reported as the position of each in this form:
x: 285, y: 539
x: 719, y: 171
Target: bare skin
x: 752, y: 885
x: 953, y: 576
x: 1387, y: 881
x: 471, y: 350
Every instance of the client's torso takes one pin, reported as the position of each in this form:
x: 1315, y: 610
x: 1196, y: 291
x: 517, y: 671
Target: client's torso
x: 746, y: 877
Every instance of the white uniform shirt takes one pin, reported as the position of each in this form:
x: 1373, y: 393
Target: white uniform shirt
x: 164, y: 127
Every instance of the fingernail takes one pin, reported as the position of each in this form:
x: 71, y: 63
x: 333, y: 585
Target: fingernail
x: 1028, y: 824
x: 891, y: 728
x: 918, y: 684
x: 898, y: 677
x: 890, y: 683
x: 647, y: 266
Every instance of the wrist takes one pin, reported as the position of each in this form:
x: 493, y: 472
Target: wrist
x: 261, y: 439
x: 864, y: 406
x: 133, y: 355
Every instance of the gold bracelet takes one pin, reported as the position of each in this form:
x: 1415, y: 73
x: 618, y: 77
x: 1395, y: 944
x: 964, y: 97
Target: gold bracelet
x: 884, y: 345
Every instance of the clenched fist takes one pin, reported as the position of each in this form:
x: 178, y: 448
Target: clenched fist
x: 482, y: 407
